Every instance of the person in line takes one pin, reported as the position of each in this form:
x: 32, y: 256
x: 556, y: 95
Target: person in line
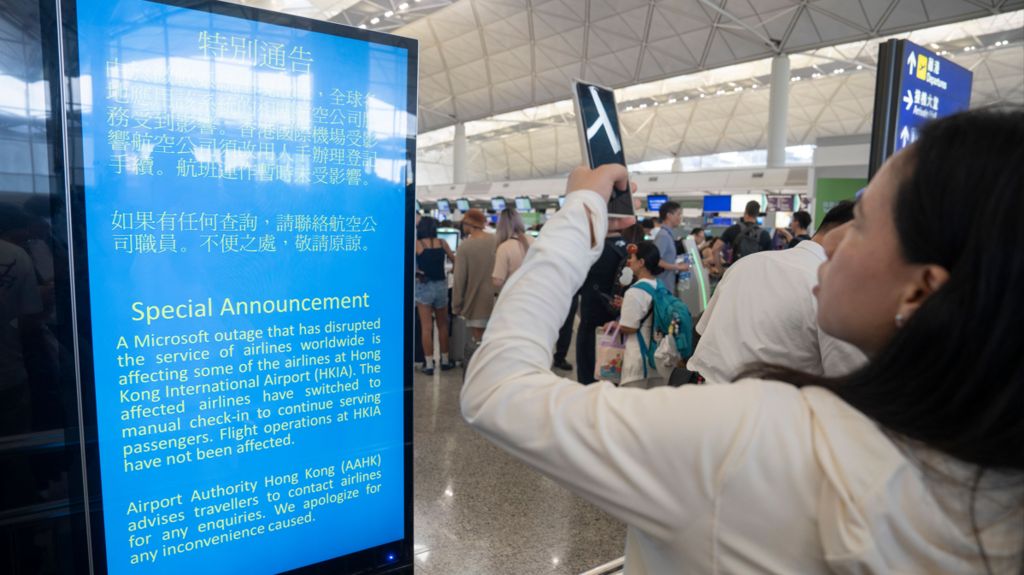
x: 911, y: 464
x: 799, y: 231
x: 700, y: 238
x: 742, y: 239
x: 636, y: 316
x: 432, y: 291
x: 649, y: 229
x: 763, y: 310
x: 473, y: 288
x: 513, y: 242
x: 597, y: 298
x: 671, y: 215
x: 708, y: 258
x: 564, y: 341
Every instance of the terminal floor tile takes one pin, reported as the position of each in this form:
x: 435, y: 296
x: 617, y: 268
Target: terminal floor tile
x: 479, y: 511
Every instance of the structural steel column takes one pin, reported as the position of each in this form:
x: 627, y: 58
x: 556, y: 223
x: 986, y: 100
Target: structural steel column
x: 459, y: 155
x: 778, y: 112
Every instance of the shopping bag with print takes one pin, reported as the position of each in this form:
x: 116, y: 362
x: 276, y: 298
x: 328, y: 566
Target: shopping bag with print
x: 610, y: 350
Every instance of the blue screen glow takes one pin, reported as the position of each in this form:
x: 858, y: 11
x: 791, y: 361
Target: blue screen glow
x: 654, y: 203
x: 241, y: 180
x: 717, y: 203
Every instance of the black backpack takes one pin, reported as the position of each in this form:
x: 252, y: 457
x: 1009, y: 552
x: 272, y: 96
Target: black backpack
x: 747, y: 242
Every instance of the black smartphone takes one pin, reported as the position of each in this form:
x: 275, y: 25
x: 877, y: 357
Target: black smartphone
x: 600, y: 137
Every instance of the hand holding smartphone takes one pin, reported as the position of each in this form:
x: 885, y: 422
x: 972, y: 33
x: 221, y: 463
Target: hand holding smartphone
x: 601, y: 138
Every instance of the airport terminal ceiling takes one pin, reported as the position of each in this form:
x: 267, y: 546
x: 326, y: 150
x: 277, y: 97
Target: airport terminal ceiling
x: 694, y: 71
x: 485, y: 57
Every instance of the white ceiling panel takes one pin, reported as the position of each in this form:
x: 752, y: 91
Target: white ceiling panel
x: 673, y: 36
x: 728, y: 120
x: 905, y: 13
x: 482, y: 58
x: 510, y: 64
x: 677, y: 36
x: 851, y: 12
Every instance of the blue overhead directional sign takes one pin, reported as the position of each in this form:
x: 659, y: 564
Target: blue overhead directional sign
x: 930, y: 87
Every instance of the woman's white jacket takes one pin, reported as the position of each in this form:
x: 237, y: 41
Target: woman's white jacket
x: 754, y: 477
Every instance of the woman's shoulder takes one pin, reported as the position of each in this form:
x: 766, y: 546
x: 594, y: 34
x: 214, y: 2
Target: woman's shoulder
x: 636, y: 290
x: 480, y: 244
x: 813, y: 398
x: 836, y: 428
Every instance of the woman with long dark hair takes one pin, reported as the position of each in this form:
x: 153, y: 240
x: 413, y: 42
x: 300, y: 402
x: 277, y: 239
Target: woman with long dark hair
x: 432, y: 291
x: 914, y: 464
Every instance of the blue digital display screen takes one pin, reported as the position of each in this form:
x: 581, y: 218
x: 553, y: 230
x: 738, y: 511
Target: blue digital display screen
x: 654, y: 203
x: 240, y: 183
x: 930, y: 87
x: 717, y: 203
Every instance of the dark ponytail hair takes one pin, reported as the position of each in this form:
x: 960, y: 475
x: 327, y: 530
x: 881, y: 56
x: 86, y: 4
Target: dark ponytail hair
x: 952, y: 378
x: 426, y: 229
x: 648, y: 253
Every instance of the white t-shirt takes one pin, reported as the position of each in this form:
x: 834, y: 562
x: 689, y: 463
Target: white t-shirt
x: 636, y: 303
x: 763, y: 311
x: 509, y: 257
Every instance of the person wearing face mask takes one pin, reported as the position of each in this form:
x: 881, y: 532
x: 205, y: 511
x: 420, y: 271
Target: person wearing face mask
x: 910, y: 464
x: 763, y: 311
x: 636, y: 315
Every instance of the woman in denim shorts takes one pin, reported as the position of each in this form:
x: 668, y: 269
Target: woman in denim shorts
x: 432, y: 291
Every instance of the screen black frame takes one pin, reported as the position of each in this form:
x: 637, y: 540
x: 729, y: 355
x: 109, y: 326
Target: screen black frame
x: 883, y: 121
x: 620, y: 204
x: 368, y: 561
